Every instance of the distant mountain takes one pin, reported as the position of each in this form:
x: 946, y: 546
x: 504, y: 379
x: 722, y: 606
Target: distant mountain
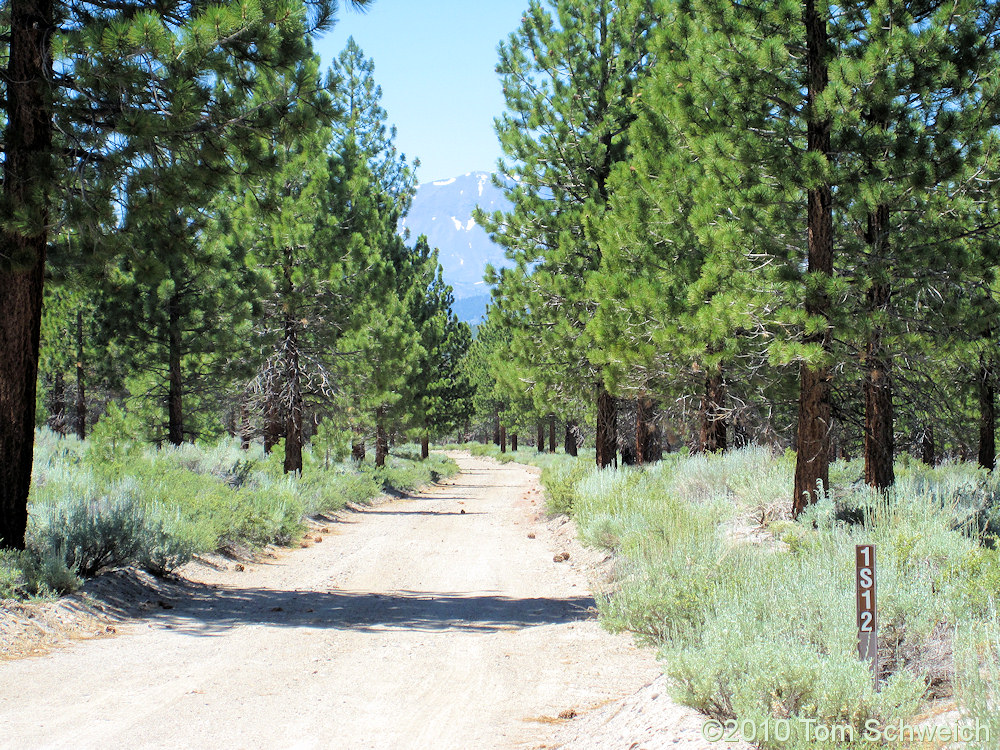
x: 471, y: 309
x: 443, y: 211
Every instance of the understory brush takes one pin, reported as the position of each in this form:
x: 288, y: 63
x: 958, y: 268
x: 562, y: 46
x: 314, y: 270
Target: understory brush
x: 110, y: 502
x: 754, y: 614
x: 979, y: 675
x: 491, y: 450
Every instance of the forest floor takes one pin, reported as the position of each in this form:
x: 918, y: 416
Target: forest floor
x: 442, y: 620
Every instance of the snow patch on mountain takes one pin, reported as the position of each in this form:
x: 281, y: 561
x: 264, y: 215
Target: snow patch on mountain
x: 465, y: 248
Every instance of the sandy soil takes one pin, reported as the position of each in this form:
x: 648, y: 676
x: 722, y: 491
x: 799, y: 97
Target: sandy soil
x: 439, y: 621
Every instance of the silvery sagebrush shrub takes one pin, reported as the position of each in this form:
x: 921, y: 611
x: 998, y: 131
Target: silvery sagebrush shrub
x: 23, y: 574
x: 978, y: 688
x: 93, y: 532
x: 756, y: 629
x: 170, y: 540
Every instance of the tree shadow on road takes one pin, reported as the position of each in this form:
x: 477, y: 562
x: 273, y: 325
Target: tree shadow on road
x: 208, y: 611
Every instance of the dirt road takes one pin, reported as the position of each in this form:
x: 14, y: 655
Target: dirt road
x: 412, y: 625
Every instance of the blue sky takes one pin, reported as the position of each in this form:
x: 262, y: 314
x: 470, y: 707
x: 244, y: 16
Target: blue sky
x: 435, y: 62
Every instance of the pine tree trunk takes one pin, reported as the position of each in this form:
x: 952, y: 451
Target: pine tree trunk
x: 381, y: 437
x: 540, y: 437
x: 552, y: 433
x: 513, y: 442
x: 812, y: 461
x: 503, y: 439
x: 713, y: 419
x: 57, y: 405
x: 496, y: 427
x: 649, y: 446
x: 81, y: 392
x: 425, y: 446
x: 879, y: 443
x: 358, y: 450
x: 293, y: 415
x: 987, y: 414
x: 626, y: 441
x: 607, y: 429
x: 244, y: 427
x: 273, y: 426
x: 27, y: 173
x: 20, y: 321
x: 928, y: 453
x: 570, y: 443
x: 175, y: 378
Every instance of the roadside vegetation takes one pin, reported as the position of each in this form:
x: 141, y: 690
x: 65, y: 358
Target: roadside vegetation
x: 111, y: 501
x: 754, y: 613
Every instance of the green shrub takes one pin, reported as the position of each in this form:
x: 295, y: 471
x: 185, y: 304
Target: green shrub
x: 330, y: 445
x: 761, y: 627
x: 559, y: 479
x: 405, y: 475
x: 493, y: 451
x: 24, y: 574
x: 979, y: 676
x: 170, y: 540
x: 114, y: 442
x: 91, y: 533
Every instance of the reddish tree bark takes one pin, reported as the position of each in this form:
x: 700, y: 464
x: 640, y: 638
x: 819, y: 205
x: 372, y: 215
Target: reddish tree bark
x: 812, y: 461
x: 540, y: 437
x: 987, y: 415
x: 381, y: 437
x: 712, y: 438
x: 425, y: 446
x: 879, y: 442
x: 503, y: 439
x: 81, y: 393
x: 513, y: 442
x: 648, y: 443
x: 626, y: 439
x: 358, y: 450
x: 569, y: 444
x: 607, y: 428
x: 175, y: 376
x: 27, y: 168
x: 273, y: 424
x: 928, y: 453
x: 552, y: 433
x: 244, y: 423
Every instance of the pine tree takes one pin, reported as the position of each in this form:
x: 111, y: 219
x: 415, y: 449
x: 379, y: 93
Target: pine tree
x: 913, y: 128
x: 277, y: 226
x: 186, y: 299
x: 127, y: 76
x: 568, y: 74
x: 371, y: 189
x: 840, y: 145
x: 676, y: 304
x: 442, y: 396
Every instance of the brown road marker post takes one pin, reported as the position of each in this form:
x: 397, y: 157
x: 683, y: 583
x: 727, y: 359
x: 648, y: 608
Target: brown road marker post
x: 867, y: 620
